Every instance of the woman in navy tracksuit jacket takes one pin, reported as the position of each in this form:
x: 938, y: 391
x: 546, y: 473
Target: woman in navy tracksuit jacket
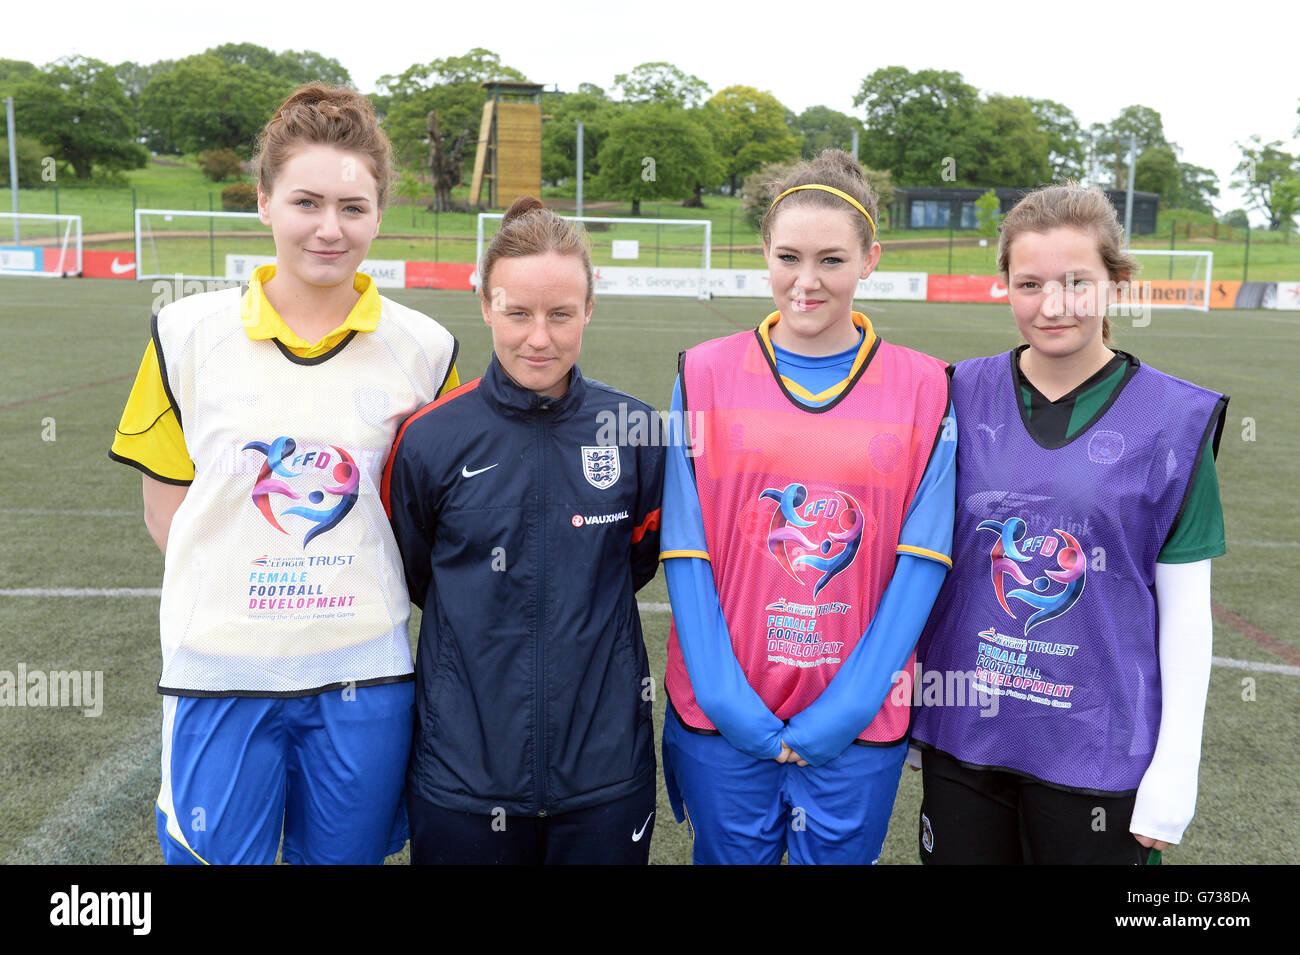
x: 526, y: 523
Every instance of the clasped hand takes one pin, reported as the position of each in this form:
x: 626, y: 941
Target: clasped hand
x: 790, y: 756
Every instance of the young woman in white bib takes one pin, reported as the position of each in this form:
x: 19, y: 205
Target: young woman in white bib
x: 261, y: 419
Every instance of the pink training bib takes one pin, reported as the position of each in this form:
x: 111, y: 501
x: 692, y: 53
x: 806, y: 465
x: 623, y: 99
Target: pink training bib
x: 802, y: 512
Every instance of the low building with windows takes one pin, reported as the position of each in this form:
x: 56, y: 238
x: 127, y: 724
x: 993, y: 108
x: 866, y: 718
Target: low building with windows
x: 915, y: 207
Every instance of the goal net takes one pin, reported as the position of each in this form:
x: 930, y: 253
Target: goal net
x: 635, y: 256
x: 1172, y: 279
x: 48, y: 246
x: 214, y: 246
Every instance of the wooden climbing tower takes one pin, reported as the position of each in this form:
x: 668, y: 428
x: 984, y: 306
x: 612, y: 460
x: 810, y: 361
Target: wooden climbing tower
x: 509, y: 154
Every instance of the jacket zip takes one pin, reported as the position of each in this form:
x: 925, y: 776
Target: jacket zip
x: 538, y: 657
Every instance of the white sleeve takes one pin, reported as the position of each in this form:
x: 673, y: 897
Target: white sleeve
x: 914, y: 755
x: 1166, y: 797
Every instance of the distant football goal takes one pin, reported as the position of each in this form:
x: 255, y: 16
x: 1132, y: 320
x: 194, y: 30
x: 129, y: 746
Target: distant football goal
x: 172, y: 243
x: 45, y: 246
x: 1172, y: 278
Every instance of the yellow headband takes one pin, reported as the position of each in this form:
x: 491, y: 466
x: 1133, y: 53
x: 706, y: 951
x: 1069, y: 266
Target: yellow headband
x: 834, y: 192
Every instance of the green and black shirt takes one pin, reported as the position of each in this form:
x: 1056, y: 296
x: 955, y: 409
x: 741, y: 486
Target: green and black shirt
x: 1199, y: 533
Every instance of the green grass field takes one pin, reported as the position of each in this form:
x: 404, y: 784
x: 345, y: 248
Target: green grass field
x: 76, y: 789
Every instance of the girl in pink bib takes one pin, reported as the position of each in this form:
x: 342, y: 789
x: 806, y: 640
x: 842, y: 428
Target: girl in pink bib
x: 807, y: 529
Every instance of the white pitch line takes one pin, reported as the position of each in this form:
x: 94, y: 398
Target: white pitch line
x: 645, y: 606
x: 82, y: 592
x: 62, y: 512
x: 1257, y: 667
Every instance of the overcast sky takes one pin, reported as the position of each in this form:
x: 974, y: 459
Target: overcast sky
x: 1216, y: 73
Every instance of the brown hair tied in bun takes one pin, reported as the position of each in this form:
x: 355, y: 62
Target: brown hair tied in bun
x: 328, y: 116
x: 529, y: 228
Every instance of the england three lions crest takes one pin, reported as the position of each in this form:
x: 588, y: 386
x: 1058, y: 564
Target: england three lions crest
x: 600, y: 466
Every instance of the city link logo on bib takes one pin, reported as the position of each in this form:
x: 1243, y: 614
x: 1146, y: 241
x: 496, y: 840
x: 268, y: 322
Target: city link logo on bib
x: 821, y: 531
x: 1013, y: 554
x: 317, y: 477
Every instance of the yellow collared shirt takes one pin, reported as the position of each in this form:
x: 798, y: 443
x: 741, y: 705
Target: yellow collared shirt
x: 150, y: 437
x: 799, y: 391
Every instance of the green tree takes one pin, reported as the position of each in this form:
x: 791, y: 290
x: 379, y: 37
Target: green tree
x: 1144, y: 123
x: 247, y: 54
x: 916, y: 125
x: 407, y: 123
x: 759, y: 189
x: 308, y: 66
x: 661, y: 83
x: 13, y: 72
x: 1067, y: 147
x: 710, y: 119
x: 411, y: 188
x: 1156, y: 170
x: 1237, y: 218
x: 752, y: 131
x: 476, y: 66
x: 1013, y: 151
x: 1139, y: 122
x: 295, y: 67
x: 205, y: 102
x: 881, y: 182
x: 1286, y: 202
x: 655, y: 151
x: 824, y: 128
x: 134, y: 78
x: 220, y: 164
x: 76, y: 107
x: 1197, y: 187
x: 596, y: 111
x: 988, y: 213
x: 449, y: 86
x: 1264, y: 172
x: 34, y: 171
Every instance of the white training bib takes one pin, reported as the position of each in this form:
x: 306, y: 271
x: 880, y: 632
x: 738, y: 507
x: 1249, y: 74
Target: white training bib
x: 282, y: 576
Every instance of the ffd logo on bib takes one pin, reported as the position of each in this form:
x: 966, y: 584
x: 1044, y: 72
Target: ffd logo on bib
x: 320, y: 477
x: 1028, y: 560
x: 600, y: 466
x: 822, y: 531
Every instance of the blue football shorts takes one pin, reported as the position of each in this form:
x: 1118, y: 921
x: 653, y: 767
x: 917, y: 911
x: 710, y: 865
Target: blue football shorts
x: 327, y: 770
x: 747, y: 811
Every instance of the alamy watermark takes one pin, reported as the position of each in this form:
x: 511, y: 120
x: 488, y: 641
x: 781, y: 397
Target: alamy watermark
x: 76, y: 689
x: 636, y: 427
x: 166, y: 291
x: 1078, y: 298
x: 77, y: 907
x: 945, y: 688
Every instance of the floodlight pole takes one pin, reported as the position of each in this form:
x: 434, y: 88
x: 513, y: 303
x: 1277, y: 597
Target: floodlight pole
x: 579, y: 169
x: 1128, y: 199
x: 13, y: 161
x: 855, y: 142
x: 1132, y: 169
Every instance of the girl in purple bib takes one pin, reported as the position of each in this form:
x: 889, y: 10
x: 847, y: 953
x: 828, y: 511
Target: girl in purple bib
x: 1066, y: 663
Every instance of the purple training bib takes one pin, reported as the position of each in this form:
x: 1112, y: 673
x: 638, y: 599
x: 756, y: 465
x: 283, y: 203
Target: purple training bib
x: 1051, y: 601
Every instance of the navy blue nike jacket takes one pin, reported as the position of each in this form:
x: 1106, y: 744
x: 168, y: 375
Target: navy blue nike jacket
x: 525, y: 535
